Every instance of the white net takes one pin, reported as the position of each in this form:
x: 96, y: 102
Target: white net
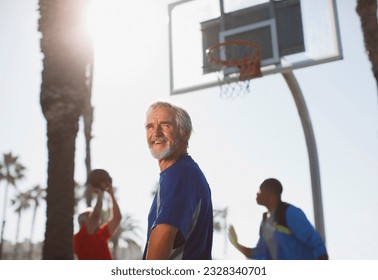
x: 230, y: 84
x: 237, y: 63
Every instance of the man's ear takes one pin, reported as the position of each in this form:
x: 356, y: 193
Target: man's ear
x: 185, y: 136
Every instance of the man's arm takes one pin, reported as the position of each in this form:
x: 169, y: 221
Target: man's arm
x: 161, y: 242
x: 304, y: 231
x: 232, y: 236
x: 94, y: 218
x: 116, y: 215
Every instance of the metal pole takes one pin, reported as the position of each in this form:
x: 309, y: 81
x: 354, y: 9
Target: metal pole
x: 222, y: 22
x: 171, y: 85
x: 311, y: 149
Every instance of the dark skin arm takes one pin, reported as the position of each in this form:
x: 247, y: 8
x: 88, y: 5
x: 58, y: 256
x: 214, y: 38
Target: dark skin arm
x: 232, y: 236
x: 246, y: 251
x: 161, y: 242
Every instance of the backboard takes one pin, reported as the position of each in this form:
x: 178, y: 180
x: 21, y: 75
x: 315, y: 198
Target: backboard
x: 291, y: 34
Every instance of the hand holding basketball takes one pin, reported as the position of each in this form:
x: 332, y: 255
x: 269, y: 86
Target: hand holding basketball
x: 99, y: 179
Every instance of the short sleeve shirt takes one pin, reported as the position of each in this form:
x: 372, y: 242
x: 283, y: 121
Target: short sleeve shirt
x: 183, y: 200
x: 92, y: 246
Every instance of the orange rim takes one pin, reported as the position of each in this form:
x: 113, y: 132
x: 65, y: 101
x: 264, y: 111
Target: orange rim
x: 244, y: 60
x: 249, y: 66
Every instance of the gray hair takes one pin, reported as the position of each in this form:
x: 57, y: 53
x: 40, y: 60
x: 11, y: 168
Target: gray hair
x: 182, y: 118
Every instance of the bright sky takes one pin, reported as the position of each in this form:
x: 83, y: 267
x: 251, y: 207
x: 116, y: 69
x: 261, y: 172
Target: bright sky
x: 238, y: 143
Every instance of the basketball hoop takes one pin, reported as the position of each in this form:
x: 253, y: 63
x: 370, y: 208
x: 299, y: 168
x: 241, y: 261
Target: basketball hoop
x: 237, y: 62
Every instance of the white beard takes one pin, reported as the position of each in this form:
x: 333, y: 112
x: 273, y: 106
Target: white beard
x: 166, y: 153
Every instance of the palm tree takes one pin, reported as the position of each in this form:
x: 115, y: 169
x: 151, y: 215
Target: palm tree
x: 367, y: 10
x: 88, y: 121
x: 10, y: 171
x: 21, y: 201
x: 67, y: 54
x: 128, y: 232
x: 220, y: 224
x: 37, y: 193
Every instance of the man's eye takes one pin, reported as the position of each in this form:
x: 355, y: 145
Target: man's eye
x: 165, y: 125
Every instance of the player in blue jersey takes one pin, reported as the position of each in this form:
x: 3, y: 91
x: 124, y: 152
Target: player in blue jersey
x: 285, y: 232
x: 180, y: 222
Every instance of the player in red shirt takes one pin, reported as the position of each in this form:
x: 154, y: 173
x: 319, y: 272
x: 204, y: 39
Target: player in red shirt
x: 91, y: 241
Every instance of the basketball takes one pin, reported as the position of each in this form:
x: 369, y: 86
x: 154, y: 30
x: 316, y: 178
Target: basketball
x: 98, y: 176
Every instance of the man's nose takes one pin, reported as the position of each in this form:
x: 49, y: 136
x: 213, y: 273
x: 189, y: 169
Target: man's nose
x: 157, y: 131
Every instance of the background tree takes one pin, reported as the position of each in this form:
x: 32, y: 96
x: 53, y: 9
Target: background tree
x: 10, y: 171
x: 67, y: 54
x: 21, y: 201
x: 128, y: 233
x: 220, y: 225
x: 37, y: 193
x: 367, y: 10
x: 88, y: 121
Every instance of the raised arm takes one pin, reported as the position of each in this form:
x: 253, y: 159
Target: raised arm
x: 232, y: 236
x: 116, y: 216
x: 95, y: 217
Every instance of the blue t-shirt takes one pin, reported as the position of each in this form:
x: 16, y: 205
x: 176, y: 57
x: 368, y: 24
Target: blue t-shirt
x: 183, y: 200
x: 298, y: 240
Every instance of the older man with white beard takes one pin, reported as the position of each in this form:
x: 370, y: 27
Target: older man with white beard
x: 180, y: 222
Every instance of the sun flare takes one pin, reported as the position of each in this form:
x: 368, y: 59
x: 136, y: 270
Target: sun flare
x: 111, y: 24
x: 107, y: 19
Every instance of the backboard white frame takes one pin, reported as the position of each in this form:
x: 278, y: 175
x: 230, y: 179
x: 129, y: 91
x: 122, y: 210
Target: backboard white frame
x: 283, y: 64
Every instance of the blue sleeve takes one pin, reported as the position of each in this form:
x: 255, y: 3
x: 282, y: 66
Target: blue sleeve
x: 177, y: 202
x: 260, y: 252
x: 304, y: 231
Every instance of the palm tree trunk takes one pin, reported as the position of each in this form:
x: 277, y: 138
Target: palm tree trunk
x: 66, y: 49
x: 31, y: 249
x: 367, y: 10
x: 88, y: 121
x: 60, y: 190
x: 4, y: 220
x: 15, y: 252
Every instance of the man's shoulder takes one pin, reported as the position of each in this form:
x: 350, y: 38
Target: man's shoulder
x: 293, y: 213
x: 187, y: 161
x: 283, y: 212
x: 185, y: 166
x: 292, y: 208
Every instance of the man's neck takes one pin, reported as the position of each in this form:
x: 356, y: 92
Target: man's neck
x: 166, y: 163
x: 272, y: 205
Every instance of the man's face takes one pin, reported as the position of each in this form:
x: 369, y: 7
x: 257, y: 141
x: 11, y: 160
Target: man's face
x: 163, y: 136
x: 262, y: 196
